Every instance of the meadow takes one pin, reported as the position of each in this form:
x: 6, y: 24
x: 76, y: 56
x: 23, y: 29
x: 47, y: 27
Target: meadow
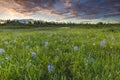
x: 62, y: 53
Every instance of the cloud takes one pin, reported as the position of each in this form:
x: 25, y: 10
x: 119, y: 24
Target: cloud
x: 79, y: 9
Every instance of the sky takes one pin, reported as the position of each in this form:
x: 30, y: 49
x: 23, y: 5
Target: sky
x: 62, y: 10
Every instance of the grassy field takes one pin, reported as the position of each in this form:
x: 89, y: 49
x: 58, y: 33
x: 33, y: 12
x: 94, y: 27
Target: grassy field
x: 65, y: 53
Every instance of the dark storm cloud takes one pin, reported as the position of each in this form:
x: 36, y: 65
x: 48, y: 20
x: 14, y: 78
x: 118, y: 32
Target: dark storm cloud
x: 85, y: 9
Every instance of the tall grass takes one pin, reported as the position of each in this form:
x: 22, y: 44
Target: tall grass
x: 60, y: 54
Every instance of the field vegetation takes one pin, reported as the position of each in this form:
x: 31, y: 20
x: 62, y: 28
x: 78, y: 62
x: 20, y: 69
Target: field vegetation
x: 60, y: 52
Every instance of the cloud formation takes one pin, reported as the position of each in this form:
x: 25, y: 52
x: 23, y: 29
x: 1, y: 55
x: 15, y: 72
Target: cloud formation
x: 79, y: 9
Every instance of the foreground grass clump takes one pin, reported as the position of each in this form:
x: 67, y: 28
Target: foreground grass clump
x: 61, y: 54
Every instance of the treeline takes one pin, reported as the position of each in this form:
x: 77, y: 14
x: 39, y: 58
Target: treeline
x: 35, y: 23
x: 39, y: 22
x: 19, y: 24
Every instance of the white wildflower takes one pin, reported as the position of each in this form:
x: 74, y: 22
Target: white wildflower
x: 75, y: 48
x: 10, y: 41
x: 6, y: 42
x: 29, y: 64
x: 7, y: 58
x: 28, y: 38
x: 20, y: 34
x: 47, y: 45
x: 3, y: 39
x: 15, y: 38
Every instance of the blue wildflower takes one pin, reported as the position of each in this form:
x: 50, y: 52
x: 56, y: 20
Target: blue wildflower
x: 33, y: 54
x: 50, y: 68
x: 2, y: 51
x: 102, y: 43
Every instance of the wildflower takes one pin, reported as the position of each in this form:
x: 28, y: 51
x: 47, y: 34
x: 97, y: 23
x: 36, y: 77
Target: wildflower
x: 0, y: 62
x: 90, y: 59
x: 29, y: 64
x: 27, y: 46
x: 28, y: 38
x: 46, y: 45
x: 15, y: 38
x: 2, y: 51
x: 7, y: 58
x: 102, y: 43
x: 10, y: 41
x: 20, y: 34
x: 112, y: 39
x: 3, y: 39
x: 33, y: 54
x: 50, y: 68
x: 75, y: 48
x: 6, y: 43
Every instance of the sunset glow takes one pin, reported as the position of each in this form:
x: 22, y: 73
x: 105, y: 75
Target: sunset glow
x: 61, y: 10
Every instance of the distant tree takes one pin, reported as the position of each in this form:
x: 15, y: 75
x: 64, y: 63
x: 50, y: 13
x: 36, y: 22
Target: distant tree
x: 100, y: 23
